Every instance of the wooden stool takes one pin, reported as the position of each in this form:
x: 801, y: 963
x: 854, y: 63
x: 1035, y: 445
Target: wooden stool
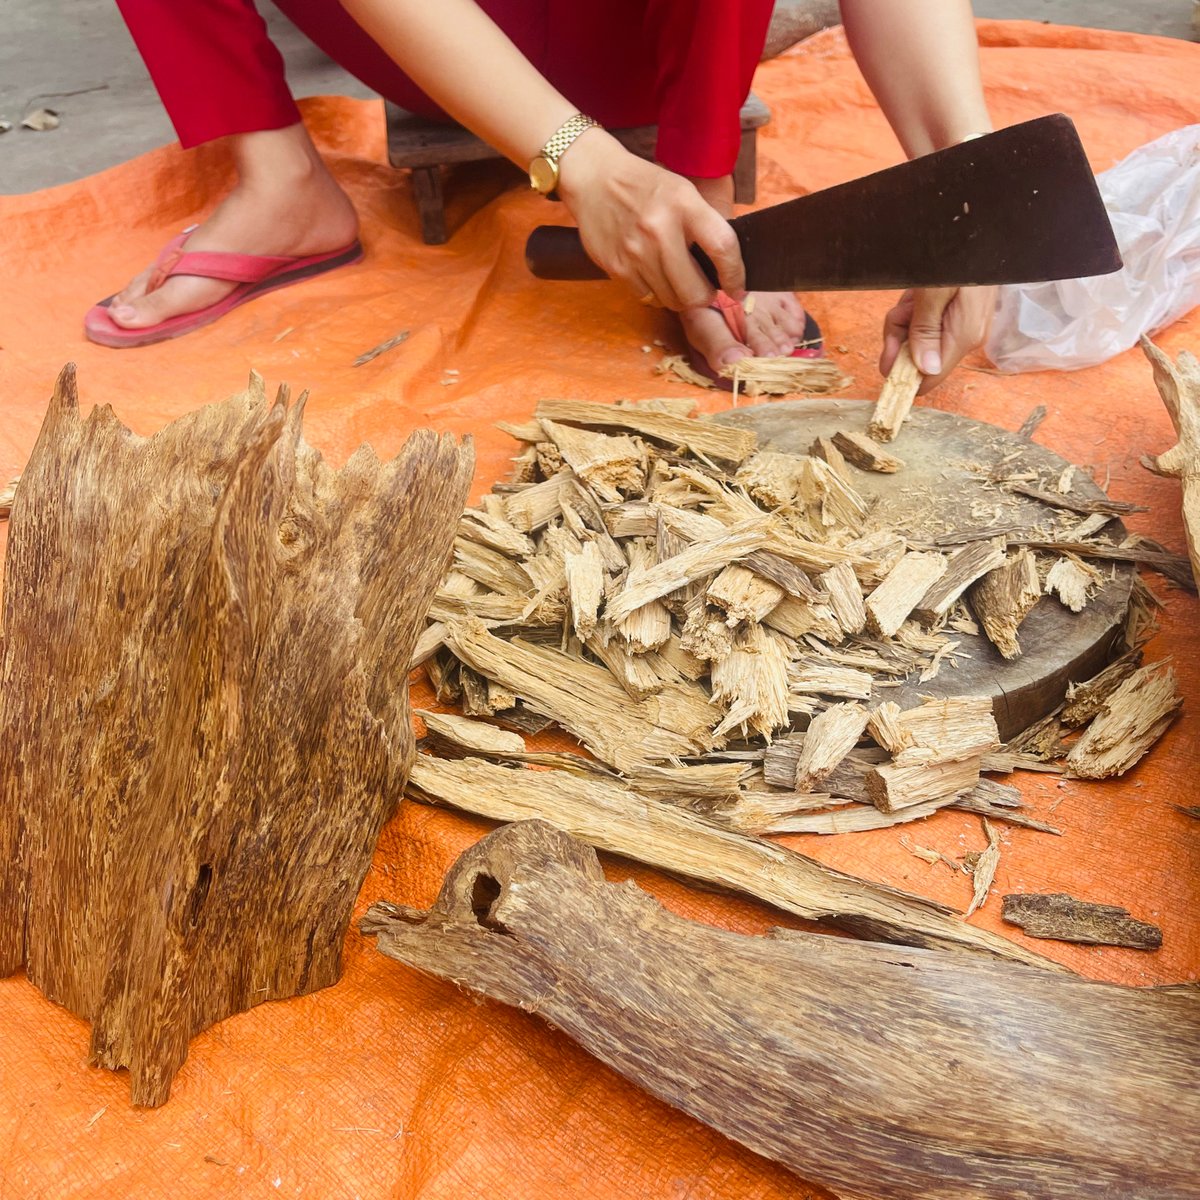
x: 425, y: 146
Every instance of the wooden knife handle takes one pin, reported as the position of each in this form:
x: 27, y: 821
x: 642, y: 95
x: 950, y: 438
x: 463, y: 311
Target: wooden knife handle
x: 556, y: 252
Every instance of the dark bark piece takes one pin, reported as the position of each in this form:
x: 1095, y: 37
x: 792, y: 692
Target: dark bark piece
x: 840, y: 1059
x: 1029, y: 426
x: 1144, y: 553
x: 1076, y: 504
x: 1057, y: 915
x: 865, y: 452
x: 204, y: 714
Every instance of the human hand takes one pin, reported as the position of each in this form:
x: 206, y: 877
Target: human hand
x: 941, y: 325
x: 638, y: 220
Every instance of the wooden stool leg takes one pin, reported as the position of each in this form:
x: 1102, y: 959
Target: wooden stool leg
x: 431, y: 204
x: 745, y: 170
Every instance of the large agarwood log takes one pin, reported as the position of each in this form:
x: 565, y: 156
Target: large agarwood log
x: 204, y: 712
x: 881, y: 1072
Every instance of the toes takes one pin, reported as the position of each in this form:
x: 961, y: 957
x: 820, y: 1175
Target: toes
x: 133, y: 290
x: 708, y: 333
x: 141, y: 312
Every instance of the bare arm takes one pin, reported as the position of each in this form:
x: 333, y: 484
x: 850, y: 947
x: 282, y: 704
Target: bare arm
x: 921, y: 61
x: 637, y: 219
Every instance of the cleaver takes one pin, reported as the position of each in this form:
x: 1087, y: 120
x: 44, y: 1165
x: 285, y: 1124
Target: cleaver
x: 1017, y: 206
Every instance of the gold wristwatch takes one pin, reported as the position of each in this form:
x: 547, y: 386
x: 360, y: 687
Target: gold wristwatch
x: 543, y: 171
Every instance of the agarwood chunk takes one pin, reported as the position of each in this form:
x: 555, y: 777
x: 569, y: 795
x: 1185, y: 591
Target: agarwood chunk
x: 831, y: 736
x: 966, y: 566
x: 891, y: 788
x: 866, y: 453
x: 1058, y: 915
x: 896, y: 396
x: 1134, y: 717
x: 890, y: 604
x: 229, y: 623
x: 1003, y: 598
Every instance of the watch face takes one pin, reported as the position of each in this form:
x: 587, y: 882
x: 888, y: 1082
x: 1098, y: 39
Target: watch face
x: 543, y: 175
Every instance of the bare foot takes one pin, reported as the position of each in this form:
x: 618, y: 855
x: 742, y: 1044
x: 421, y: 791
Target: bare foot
x: 774, y: 320
x: 774, y: 326
x: 284, y: 203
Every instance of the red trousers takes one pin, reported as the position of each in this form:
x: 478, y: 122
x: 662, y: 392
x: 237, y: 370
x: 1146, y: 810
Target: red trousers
x: 684, y: 65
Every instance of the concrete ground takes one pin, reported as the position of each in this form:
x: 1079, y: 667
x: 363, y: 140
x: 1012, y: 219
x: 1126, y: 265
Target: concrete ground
x: 92, y: 76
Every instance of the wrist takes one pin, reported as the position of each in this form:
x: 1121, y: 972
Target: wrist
x: 594, y: 156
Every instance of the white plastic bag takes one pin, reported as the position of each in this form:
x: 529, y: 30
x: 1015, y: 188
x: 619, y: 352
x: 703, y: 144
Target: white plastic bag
x: 1153, y: 199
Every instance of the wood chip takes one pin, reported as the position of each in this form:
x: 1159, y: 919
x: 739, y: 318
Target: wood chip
x: 890, y: 604
x: 1071, y: 580
x: 964, y: 568
x: 892, y: 788
x: 820, y: 679
x: 696, y: 562
x: 829, y: 738
x: 824, y: 449
x: 985, y: 868
x: 649, y: 625
x: 585, y: 588
x: 886, y: 727
x: 1003, y: 598
x: 953, y: 729
x: 383, y: 347
x: 587, y: 701
x: 41, y: 120
x: 1085, y: 700
x: 785, y: 376
x: 743, y: 595
x: 751, y: 683
x: 1073, y: 503
x: 611, y: 464
x: 866, y: 453
x: 845, y: 597
x: 1134, y: 717
x: 467, y: 734
x: 725, y: 442
x: 896, y: 396
x: 1060, y: 916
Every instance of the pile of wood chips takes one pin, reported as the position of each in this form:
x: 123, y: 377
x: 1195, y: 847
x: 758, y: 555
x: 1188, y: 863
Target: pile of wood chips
x: 681, y: 601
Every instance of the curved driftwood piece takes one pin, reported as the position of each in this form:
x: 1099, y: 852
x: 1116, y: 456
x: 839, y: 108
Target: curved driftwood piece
x: 893, y: 1074
x: 204, y: 714
x: 1178, y: 384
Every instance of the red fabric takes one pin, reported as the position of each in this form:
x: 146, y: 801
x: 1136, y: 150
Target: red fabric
x: 685, y: 65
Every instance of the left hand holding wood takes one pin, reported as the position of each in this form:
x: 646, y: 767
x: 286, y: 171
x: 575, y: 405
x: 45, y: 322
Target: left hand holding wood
x: 941, y: 325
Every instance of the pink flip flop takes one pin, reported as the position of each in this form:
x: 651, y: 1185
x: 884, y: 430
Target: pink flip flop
x: 811, y: 344
x: 255, y: 275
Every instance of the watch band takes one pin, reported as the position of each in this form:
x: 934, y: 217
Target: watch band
x: 566, y: 133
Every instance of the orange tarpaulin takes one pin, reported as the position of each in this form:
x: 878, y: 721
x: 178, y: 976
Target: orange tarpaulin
x: 395, y: 1085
